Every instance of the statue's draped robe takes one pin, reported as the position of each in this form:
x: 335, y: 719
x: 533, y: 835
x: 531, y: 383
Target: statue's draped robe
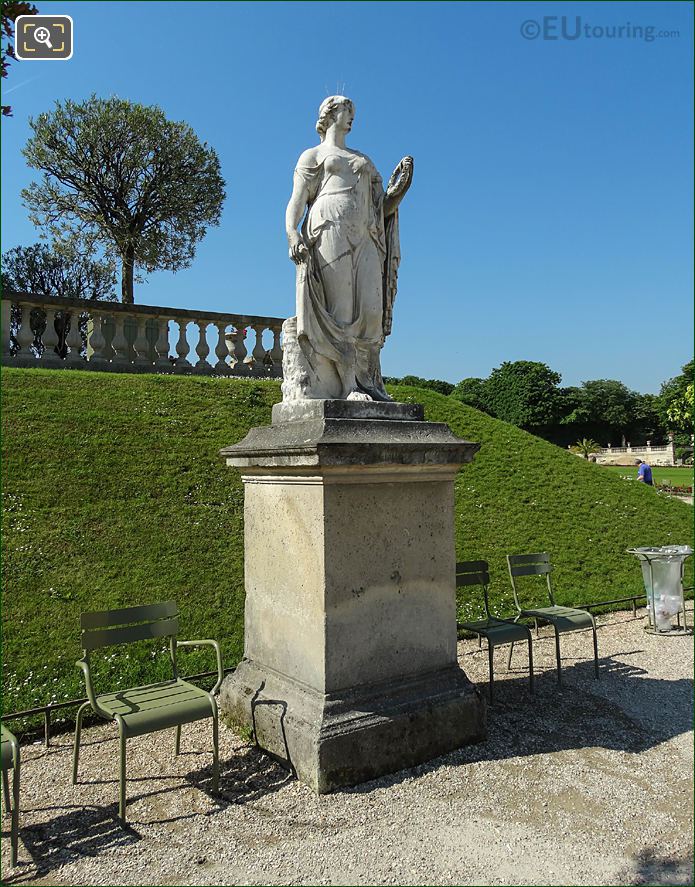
x: 347, y: 220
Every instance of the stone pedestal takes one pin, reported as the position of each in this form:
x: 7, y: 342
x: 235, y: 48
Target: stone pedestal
x: 349, y: 668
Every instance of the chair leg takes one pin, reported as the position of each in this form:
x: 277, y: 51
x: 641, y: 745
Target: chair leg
x: 78, y: 735
x: 215, y: 753
x: 593, y: 631
x: 177, y: 745
x: 509, y: 659
x: 6, y: 792
x: 15, y: 812
x: 530, y: 662
x: 490, y: 658
x: 121, y: 777
x: 557, y: 656
x: 538, y: 631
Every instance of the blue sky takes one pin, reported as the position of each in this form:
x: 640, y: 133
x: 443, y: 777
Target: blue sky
x: 550, y: 216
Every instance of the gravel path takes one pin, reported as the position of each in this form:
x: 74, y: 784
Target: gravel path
x: 589, y: 786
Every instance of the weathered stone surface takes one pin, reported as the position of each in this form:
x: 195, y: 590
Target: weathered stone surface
x: 347, y: 737
x: 325, y: 442
x: 350, y: 624
x: 304, y: 410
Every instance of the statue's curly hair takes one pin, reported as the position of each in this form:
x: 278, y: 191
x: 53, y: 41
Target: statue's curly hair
x: 327, y: 111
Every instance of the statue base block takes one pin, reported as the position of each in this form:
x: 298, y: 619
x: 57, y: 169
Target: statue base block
x: 304, y: 410
x: 341, y: 739
x: 350, y: 667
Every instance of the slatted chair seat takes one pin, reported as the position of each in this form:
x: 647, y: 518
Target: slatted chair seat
x: 151, y: 707
x: 10, y: 759
x: 496, y: 631
x: 502, y: 630
x: 566, y: 618
x: 562, y: 619
x: 157, y: 706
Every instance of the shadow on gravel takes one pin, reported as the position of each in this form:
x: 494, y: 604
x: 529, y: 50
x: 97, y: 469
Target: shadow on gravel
x: 651, y: 868
x: 581, y: 715
x: 585, y: 714
x: 91, y: 830
x: 62, y: 839
x: 249, y: 775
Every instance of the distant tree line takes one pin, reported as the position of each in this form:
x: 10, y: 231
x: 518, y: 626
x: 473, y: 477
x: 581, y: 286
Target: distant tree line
x: 434, y: 384
x: 528, y: 394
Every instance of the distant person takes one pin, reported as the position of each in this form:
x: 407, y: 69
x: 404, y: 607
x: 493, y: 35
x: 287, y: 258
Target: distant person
x: 644, y: 473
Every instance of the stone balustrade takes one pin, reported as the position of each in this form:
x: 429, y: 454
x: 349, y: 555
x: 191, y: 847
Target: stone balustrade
x: 42, y: 331
x: 654, y: 455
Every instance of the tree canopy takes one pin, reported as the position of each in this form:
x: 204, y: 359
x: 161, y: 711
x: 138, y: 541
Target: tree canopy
x: 40, y: 269
x: 605, y: 402
x: 10, y: 11
x: 121, y: 174
x: 676, y: 400
x: 523, y: 392
x: 433, y: 384
x: 471, y: 391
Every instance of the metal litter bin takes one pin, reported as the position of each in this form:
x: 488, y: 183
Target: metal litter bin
x: 662, y: 571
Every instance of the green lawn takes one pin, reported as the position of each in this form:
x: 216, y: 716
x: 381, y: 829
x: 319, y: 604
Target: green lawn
x: 681, y: 477
x: 115, y: 495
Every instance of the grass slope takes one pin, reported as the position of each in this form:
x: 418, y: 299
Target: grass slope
x: 115, y: 495
x: 676, y: 476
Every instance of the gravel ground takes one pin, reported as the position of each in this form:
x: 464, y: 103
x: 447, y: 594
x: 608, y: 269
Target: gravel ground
x: 592, y: 785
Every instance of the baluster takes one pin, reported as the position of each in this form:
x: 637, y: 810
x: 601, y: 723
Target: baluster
x: 276, y: 352
x: 202, y: 348
x: 74, y: 341
x: 221, y: 351
x: 238, y: 353
x: 161, y: 345
x: 119, y: 343
x: 96, y: 343
x: 51, y: 340
x: 182, y: 348
x: 229, y: 341
x: 61, y: 324
x: 108, y: 331
x: 258, y: 353
x: 25, y: 334
x: 140, y: 344
x: 6, y: 330
x: 152, y: 334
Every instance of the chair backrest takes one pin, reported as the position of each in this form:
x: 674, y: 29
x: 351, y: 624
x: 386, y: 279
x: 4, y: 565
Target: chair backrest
x: 474, y: 573
x: 108, y: 628
x: 529, y: 565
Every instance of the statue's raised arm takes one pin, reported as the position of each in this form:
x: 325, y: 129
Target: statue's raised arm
x: 398, y: 185
x: 347, y: 254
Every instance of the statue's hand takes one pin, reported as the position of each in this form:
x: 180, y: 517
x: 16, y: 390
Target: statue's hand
x: 401, y: 178
x: 298, y: 250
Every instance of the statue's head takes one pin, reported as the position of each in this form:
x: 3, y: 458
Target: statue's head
x: 338, y: 110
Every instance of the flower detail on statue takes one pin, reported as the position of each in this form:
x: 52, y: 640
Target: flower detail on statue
x: 347, y: 258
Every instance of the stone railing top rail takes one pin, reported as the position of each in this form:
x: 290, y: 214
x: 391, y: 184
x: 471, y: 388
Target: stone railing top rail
x: 150, y: 310
x: 635, y: 449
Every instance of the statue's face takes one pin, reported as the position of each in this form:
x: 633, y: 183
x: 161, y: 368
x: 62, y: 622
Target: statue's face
x: 344, y: 115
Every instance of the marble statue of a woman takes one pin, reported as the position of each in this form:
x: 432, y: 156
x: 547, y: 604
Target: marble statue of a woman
x: 347, y: 256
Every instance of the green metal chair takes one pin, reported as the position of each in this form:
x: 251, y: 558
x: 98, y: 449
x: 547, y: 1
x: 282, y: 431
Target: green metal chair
x: 495, y: 630
x: 153, y: 707
x: 10, y: 761
x: 563, y: 619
